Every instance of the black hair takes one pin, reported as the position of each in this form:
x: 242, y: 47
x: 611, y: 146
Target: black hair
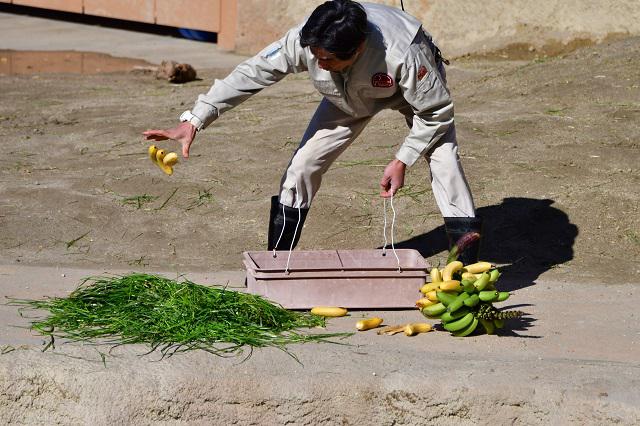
x: 338, y: 26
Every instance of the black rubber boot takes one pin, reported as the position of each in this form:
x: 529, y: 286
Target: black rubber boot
x: 456, y: 227
x: 288, y: 220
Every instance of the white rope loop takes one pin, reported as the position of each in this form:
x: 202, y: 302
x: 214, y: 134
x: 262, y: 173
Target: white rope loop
x: 384, y: 231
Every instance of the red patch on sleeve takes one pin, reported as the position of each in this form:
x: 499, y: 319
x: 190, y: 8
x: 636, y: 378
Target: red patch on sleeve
x: 422, y: 71
x: 381, y: 80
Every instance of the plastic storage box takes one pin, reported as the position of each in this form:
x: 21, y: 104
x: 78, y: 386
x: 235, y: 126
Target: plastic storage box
x: 348, y: 278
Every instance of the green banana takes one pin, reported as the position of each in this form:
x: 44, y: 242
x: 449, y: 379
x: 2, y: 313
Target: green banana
x: 467, y: 286
x: 481, y: 282
x: 467, y: 331
x: 460, y: 324
x: 494, y: 275
x: 434, y: 310
x: 488, y: 325
x: 452, y: 316
x: 488, y: 295
x: 472, y: 300
x: 502, y: 296
x: 445, y: 297
x: 457, y: 304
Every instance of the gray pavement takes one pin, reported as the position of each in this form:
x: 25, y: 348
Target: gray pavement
x: 574, y: 359
x: 20, y: 32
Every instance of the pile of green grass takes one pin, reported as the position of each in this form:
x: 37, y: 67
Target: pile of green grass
x: 171, y: 316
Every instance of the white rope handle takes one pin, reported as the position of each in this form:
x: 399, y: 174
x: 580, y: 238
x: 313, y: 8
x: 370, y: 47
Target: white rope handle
x: 384, y: 231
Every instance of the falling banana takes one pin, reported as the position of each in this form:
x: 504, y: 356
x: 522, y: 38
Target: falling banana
x: 162, y: 159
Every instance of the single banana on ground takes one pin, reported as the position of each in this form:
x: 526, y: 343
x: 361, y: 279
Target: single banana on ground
x: 368, y: 323
x: 417, y: 328
x: 329, y: 311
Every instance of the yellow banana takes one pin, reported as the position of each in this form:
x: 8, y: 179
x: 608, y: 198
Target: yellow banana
x: 416, y: 328
x: 170, y: 159
x: 432, y: 296
x: 469, y: 276
x: 435, y: 275
x: 368, y: 324
x: 152, y: 152
x: 329, y: 311
x: 450, y: 269
x: 450, y: 285
x: 424, y: 302
x: 478, y: 267
x: 429, y: 287
x: 160, y: 161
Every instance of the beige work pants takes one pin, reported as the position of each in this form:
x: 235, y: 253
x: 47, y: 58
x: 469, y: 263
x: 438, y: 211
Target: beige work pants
x: 331, y: 131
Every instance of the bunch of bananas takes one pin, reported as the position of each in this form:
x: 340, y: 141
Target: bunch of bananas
x: 162, y: 159
x: 462, y: 298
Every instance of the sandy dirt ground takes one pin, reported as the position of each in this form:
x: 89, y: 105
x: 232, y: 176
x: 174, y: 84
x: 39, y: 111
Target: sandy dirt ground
x: 550, y: 146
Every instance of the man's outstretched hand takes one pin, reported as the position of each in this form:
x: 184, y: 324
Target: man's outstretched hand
x: 184, y: 133
x: 393, y: 178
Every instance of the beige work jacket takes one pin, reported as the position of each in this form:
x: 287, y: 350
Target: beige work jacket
x: 396, y: 70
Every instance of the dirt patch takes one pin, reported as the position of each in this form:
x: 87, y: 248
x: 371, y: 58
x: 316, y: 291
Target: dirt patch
x: 550, y: 147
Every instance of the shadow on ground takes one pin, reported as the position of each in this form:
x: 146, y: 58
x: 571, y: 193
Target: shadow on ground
x: 530, y: 236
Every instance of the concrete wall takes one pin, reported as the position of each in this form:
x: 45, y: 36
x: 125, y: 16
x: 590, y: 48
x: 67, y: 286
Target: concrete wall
x: 464, y: 26
x: 459, y: 26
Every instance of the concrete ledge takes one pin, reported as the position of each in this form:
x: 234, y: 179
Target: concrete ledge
x: 568, y: 361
